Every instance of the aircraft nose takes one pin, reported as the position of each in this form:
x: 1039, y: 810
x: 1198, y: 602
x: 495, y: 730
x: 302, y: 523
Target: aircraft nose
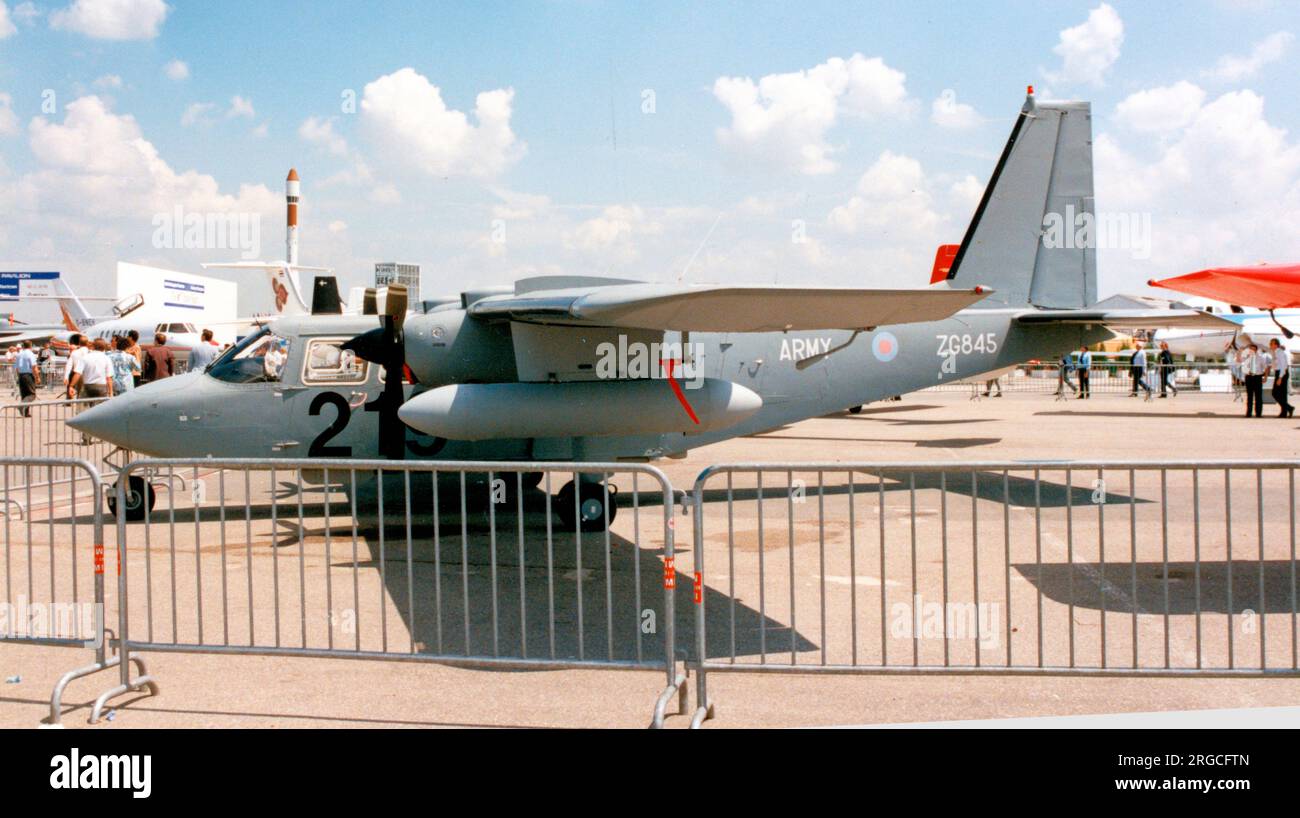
x: 109, y: 420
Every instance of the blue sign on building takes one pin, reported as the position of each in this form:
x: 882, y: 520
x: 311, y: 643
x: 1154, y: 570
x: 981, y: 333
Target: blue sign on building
x: 12, y: 283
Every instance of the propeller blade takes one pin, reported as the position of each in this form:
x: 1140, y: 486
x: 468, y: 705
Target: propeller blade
x: 395, y: 304
x: 369, y: 346
x: 370, y: 304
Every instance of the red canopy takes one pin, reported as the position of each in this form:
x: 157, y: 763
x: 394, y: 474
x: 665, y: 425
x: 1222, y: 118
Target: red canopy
x: 1265, y: 286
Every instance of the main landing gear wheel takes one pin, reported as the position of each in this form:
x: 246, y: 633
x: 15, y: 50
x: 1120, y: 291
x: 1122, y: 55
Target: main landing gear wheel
x: 855, y: 410
x: 139, y: 499
x: 597, y: 504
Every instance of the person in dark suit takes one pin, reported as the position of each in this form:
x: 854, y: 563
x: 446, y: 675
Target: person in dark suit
x: 1281, y: 363
x: 1083, y: 365
x: 158, y: 361
x: 1253, y: 368
x: 1166, y: 363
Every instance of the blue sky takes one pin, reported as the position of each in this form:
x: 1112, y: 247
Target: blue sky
x: 572, y: 174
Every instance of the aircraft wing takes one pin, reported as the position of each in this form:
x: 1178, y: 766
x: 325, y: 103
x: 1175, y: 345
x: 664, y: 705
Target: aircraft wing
x: 262, y: 265
x: 1266, y: 286
x: 725, y: 308
x: 1131, y: 319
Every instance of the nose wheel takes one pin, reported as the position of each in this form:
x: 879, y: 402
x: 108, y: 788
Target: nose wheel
x: 140, y: 499
x: 595, y: 505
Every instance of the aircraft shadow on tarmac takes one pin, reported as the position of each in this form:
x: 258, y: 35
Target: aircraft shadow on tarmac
x: 483, y: 586
x: 1140, y: 414
x: 1019, y: 491
x: 605, y: 591
x: 946, y: 443
x: 1086, y: 580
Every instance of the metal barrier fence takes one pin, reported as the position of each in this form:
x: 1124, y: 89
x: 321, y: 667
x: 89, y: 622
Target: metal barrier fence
x: 1105, y: 377
x: 38, y: 429
x: 53, y: 564
x: 459, y: 563
x: 51, y: 379
x: 1061, y: 569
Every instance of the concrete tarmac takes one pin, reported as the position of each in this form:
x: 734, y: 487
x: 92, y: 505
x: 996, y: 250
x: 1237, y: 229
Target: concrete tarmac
x: 1098, y: 575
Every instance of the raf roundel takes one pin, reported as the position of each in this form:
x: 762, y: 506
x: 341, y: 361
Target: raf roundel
x: 884, y: 346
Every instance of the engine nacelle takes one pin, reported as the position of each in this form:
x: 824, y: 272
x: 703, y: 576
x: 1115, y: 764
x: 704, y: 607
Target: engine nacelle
x: 487, y: 411
x: 448, y: 347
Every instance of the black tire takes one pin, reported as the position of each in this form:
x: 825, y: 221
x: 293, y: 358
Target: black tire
x: 596, y: 502
x: 140, y: 499
x: 855, y: 410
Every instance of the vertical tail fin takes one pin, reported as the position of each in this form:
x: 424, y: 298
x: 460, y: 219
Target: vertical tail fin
x: 75, y: 315
x: 1044, y: 174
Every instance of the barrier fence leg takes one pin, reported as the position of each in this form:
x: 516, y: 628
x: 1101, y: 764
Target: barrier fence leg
x: 703, y: 707
x: 676, y: 680
x: 102, y: 636
x: 124, y: 657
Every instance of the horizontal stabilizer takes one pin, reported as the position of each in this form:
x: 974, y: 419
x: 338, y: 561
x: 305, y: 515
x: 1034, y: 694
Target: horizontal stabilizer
x: 1130, y: 319
x: 727, y: 308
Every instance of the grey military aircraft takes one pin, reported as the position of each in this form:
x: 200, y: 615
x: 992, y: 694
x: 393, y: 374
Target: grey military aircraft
x: 598, y: 369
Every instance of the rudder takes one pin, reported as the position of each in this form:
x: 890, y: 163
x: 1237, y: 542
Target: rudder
x: 1045, y: 168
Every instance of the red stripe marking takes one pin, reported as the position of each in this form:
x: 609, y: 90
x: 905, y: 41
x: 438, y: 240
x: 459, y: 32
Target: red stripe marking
x: 677, y: 390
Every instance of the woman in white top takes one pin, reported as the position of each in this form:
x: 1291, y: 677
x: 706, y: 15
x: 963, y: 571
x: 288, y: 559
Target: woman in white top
x: 1281, y: 362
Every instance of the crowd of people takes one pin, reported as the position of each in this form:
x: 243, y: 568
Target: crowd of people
x: 102, y: 367
x: 1250, y: 366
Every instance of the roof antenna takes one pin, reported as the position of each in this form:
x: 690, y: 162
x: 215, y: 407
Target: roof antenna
x: 705, y: 241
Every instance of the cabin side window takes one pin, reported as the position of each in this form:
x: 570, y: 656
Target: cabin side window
x: 326, y: 363
x: 259, y: 358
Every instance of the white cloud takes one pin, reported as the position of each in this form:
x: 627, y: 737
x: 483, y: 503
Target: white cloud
x: 197, y: 114
x: 785, y: 117
x: 260, y: 131
x: 1223, y: 189
x: 26, y: 12
x: 947, y: 112
x: 176, y: 70
x: 405, y: 114
x: 99, y: 163
x: 1235, y: 67
x: 1160, y: 110
x: 519, y: 206
x: 7, y: 28
x: 966, y: 193
x: 337, y: 226
x: 240, y: 106
x: 112, y: 19
x: 385, y: 194
x: 109, y: 81
x: 1088, y: 50
x: 611, y: 234
x: 8, y: 119
x: 93, y: 195
x: 893, y: 199
x: 320, y: 131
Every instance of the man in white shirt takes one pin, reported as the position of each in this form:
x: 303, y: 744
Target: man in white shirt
x: 1253, y: 368
x: 29, y: 375
x: 1138, y: 371
x: 80, y: 348
x: 1281, y: 363
x: 93, y: 376
x: 203, y: 353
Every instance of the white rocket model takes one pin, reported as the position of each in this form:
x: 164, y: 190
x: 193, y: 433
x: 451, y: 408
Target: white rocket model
x: 289, y: 296
x: 291, y: 217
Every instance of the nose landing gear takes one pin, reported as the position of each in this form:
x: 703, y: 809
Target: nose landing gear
x: 140, y: 499
x: 594, y: 506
